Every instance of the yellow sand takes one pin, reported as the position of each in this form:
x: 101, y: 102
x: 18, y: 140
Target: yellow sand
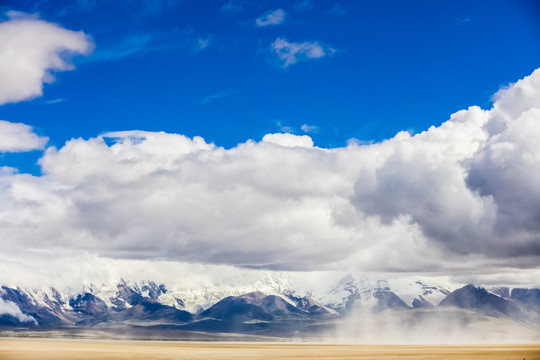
x: 25, y: 349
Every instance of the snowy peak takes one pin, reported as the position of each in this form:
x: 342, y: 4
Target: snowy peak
x: 352, y: 293
x: 420, y: 292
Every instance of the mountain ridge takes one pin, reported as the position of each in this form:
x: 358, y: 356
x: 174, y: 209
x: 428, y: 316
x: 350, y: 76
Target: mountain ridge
x: 151, y: 306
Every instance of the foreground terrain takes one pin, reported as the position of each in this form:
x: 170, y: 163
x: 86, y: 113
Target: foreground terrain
x: 23, y: 349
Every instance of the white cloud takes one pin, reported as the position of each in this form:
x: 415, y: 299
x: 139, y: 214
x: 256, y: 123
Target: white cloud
x: 32, y: 50
x: 507, y: 169
x: 288, y: 140
x: 10, y: 308
x: 274, y: 17
x: 471, y: 185
x: 421, y: 180
x: 17, y: 137
x: 309, y: 128
x: 460, y: 198
x: 131, y: 45
x: 291, y: 52
x: 164, y: 195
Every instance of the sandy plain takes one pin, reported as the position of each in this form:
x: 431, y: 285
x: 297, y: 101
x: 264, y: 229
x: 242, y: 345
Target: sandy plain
x: 26, y: 349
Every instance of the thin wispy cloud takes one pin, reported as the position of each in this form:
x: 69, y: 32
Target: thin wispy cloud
x: 284, y: 128
x: 14, y: 14
x: 136, y: 44
x: 139, y: 8
x: 214, y: 97
x: 274, y: 17
x: 232, y: 6
x: 135, y: 10
x: 302, y: 6
x: 292, y: 52
x: 202, y: 43
x: 338, y: 9
x: 142, y: 43
x: 310, y: 128
x: 463, y: 21
x: 54, y: 101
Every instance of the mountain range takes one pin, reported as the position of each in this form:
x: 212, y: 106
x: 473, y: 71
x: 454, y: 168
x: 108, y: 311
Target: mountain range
x: 272, y: 309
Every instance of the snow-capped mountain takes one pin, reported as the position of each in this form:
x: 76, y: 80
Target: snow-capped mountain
x: 56, y: 306
x: 340, y: 297
x: 364, y: 291
x: 271, y: 305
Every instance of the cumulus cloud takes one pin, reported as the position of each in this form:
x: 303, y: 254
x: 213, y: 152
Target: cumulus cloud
x: 32, y: 50
x: 17, y: 137
x: 422, y: 178
x: 274, y: 17
x: 291, y: 52
x: 458, y: 198
x: 470, y: 184
x: 288, y: 140
x: 199, y: 202
x: 507, y: 169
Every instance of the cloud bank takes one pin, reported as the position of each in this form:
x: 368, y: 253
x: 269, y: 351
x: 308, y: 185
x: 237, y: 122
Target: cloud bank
x: 429, y: 326
x: 458, y: 198
x: 32, y: 50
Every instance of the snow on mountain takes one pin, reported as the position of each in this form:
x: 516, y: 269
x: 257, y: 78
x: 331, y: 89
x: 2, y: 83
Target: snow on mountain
x: 421, y: 290
x: 274, y: 305
x: 366, y: 291
x: 337, y: 297
x: 196, y: 300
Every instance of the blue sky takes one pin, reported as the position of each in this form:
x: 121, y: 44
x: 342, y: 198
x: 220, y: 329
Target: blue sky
x: 205, y: 68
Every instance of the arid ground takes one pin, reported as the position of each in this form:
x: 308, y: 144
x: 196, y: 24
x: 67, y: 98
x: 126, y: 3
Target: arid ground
x: 26, y: 349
